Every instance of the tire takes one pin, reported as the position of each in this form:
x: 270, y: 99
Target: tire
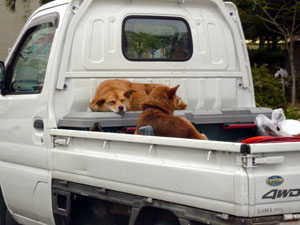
x: 3, y: 210
x: 5, y: 216
x: 9, y: 219
x: 165, y: 223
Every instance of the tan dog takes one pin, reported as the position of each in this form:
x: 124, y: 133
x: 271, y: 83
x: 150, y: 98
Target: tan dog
x: 158, y: 110
x: 121, y: 95
x: 112, y: 96
x: 139, y: 96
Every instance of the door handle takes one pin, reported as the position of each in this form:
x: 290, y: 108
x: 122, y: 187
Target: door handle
x: 38, y: 124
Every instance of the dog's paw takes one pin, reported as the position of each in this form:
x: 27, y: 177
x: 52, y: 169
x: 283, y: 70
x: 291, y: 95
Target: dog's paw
x: 96, y: 127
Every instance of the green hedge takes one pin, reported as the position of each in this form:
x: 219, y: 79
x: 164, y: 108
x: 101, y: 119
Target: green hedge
x: 274, y: 58
x: 292, y: 113
x: 268, y: 92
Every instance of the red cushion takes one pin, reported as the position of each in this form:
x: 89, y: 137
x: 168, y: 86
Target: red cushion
x: 270, y: 139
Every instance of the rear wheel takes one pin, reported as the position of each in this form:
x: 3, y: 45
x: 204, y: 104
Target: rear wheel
x: 9, y: 219
x: 165, y: 223
x: 3, y: 210
x: 156, y: 216
x: 5, y: 216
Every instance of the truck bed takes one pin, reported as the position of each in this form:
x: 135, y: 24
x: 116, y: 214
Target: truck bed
x: 216, y: 124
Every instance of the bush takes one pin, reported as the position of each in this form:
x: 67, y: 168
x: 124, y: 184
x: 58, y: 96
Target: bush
x: 292, y: 113
x: 268, y: 92
x: 273, y: 58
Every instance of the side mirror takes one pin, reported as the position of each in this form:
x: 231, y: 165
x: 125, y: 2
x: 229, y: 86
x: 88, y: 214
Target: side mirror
x: 2, y: 74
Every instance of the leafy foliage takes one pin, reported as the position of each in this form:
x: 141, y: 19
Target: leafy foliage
x: 268, y: 92
x: 143, y: 42
x: 280, y: 17
x: 273, y: 58
x: 292, y: 113
x: 254, y: 28
x: 11, y: 4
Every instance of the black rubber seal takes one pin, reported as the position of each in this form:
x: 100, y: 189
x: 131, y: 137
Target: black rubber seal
x: 245, y: 149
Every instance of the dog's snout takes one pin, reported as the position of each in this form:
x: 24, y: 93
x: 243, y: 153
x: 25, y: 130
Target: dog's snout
x: 121, y: 108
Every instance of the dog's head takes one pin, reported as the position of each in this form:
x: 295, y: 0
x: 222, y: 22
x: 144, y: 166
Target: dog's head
x: 161, y: 96
x: 112, y: 101
x: 179, y: 104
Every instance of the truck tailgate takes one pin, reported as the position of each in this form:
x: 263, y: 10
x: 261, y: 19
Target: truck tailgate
x: 274, y: 184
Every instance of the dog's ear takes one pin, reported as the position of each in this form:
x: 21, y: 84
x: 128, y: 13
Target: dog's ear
x: 148, y: 88
x: 128, y: 93
x: 172, y: 91
x: 100, y: 101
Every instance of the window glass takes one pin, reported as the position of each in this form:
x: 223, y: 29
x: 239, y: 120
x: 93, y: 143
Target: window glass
x: 30, y: 63
x: 156, y: 39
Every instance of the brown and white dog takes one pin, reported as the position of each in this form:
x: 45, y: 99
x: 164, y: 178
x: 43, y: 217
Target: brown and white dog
x: 158, y: 110
x: 121, y: 95
x: 112, y: 96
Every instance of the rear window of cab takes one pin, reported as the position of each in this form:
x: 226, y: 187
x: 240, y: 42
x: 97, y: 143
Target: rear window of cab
x: 156, y: 39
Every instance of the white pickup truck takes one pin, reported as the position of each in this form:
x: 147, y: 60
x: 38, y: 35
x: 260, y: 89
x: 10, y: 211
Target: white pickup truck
x: 54, y: 170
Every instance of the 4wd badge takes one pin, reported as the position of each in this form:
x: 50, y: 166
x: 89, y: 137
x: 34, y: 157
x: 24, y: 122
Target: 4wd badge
x: 275, y: 180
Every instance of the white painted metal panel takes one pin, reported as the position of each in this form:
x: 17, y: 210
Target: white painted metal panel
x: 94, y: 44
x: 171, y: 169
x: 24, y: 167
x: 198, y: 93
x: 277, y: 196
x: 217, y: 40
x: 203, y: 174
x: 215, y: 77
